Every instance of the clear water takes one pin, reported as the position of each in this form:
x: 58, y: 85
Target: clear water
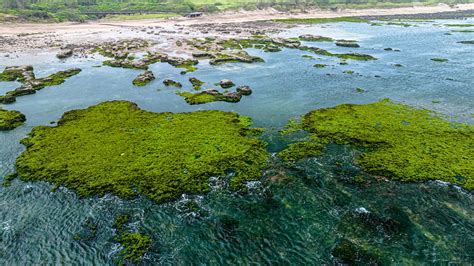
x: 298, y: 220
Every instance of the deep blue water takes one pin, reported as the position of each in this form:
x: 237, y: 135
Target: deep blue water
x: 298, y: 220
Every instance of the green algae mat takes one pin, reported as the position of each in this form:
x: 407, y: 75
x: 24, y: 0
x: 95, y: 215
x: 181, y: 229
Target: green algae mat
x: 115, y: 147
x: 10, y: 119
x: 398, y: 141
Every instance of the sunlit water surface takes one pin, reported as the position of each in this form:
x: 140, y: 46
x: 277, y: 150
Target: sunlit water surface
x: 297, y: 220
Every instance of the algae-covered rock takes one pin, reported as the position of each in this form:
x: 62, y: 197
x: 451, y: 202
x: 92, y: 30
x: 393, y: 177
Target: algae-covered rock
x: 6, y: 99
x: 314, y: 38
x: 11, y: 119
x: 439, y: 59
x: 353, y: 56
x: 19, y: 73
x: 210, y: 95
x: 31, y: 84
x: 404, y: 143
x: 170, y: 82
x: 144, y: 78
x: 350, y: 44
x: 115, y: 147
x: 197, y: 83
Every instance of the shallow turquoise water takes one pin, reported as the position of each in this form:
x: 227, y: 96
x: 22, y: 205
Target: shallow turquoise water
x: 298, y: 220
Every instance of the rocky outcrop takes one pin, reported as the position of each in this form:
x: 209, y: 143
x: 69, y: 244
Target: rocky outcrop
x: 125, y: 63
x: 30, y: 84
x: 144, y: 78
x: 244, y: 90
x: 226, y: 83
x: 350, y: 44
x: 196, y: 83
x: 170, y: 82
x: 63, y: 54
x: 314, y: 38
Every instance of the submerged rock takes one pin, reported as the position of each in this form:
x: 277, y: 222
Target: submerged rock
x: 348, y: 252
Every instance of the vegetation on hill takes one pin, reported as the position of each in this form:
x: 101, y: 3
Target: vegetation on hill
x: 72, y: 10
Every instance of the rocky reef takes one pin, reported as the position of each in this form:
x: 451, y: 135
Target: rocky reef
x: 231, y: 50
x: 398, y: 141
x: 100, y: 150
x: 120, y: 49
x: 31, y: 84
x: 10, y: 119
x: 150, y: 58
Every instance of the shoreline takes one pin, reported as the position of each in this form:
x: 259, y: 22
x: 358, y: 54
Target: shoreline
x: 19, y: 38
x: 233, y: 17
